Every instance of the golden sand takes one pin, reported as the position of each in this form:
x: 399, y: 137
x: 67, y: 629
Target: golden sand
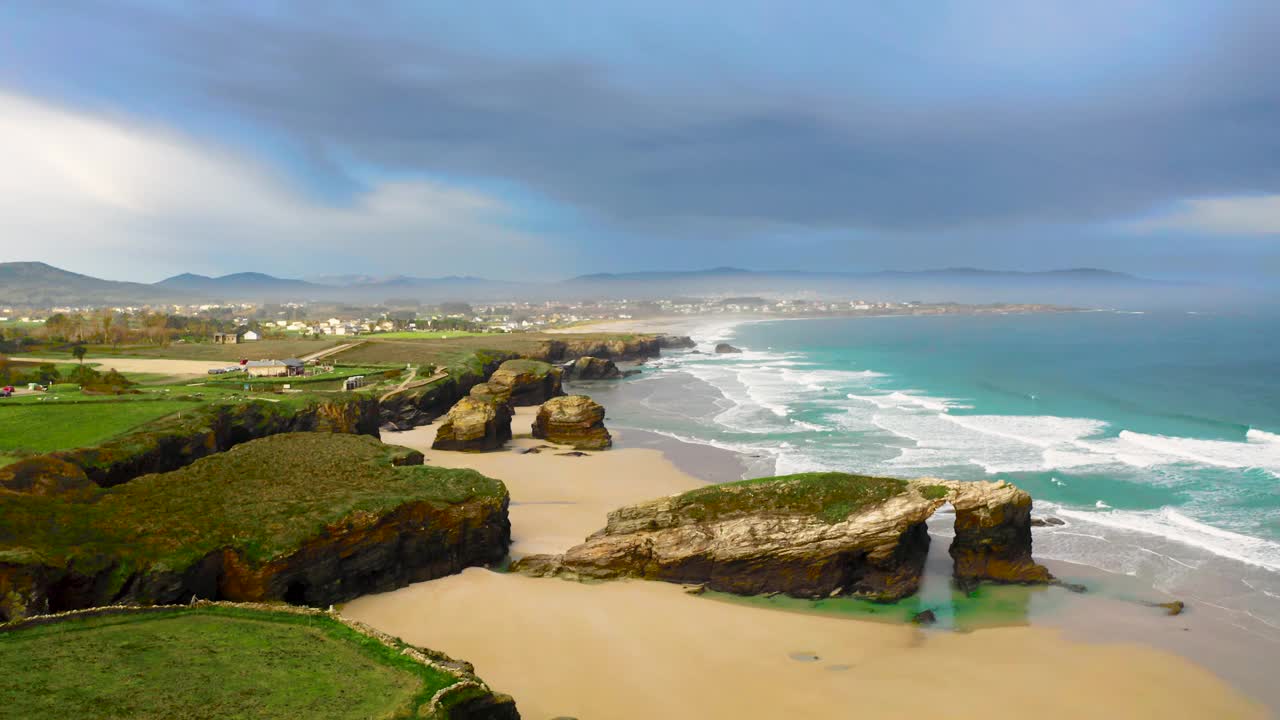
x: 633, y: 649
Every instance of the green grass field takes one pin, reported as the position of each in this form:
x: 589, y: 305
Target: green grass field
x: 424, y: 335
x: 37, y: 427
x: 278, y: 349
x: 208, y: 662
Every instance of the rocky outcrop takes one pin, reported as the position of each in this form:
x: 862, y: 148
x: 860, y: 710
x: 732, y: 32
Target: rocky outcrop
x: 676, y: 342
x: 421, y: 405
x: 207, y: 429
x: 993, y: 534
x: 575, y: 420
x: 528, y: 382
x: 619, y: 347
x: 45, y: 475
x: 492, y: 393
x: 723, y: 348
x: 810, y: 535
x: 591, y: 368
x: 474, y: 424
x: 309, y: 518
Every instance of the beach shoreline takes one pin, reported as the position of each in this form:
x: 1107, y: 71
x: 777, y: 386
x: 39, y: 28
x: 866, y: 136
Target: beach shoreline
x: 591, y: 650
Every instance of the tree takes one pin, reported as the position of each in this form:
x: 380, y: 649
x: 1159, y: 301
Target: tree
x: 79, y: 351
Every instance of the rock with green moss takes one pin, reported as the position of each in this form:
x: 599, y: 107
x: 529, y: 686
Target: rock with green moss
x: 311, y: 518
x: 592, y: 368
x: 575, y: 420
x: 528, y: 382
x: 808, y: 535
x: 474, y: 424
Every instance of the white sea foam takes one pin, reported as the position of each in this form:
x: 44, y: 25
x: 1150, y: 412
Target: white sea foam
x: 1169, y: 524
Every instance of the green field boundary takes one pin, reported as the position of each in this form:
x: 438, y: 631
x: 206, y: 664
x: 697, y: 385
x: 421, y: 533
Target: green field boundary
x: 445, y: 681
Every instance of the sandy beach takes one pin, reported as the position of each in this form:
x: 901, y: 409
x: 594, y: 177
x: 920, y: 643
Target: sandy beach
x: 636, y: 649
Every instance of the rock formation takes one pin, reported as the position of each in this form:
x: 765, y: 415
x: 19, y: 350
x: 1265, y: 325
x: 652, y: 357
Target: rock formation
x: 726, y: 348
x: 528, y: 382
x: 590, y: 368
x: 575, y: 420
x: 676, y: 342
x: 474, y: 424
x: 309, y: 518
x: 491, y: 393
x: 631, y: 347
x: 993, y: 534
x: 421, y: 405
x: 810, y: 535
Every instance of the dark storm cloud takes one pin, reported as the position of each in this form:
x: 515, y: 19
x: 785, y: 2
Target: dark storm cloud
x: 405, y: 96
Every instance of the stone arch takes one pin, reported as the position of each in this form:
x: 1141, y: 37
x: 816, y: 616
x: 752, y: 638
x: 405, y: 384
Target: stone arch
x: 992, y: 531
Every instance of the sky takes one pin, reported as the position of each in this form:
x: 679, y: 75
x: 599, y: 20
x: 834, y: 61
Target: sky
x: 542, y: 139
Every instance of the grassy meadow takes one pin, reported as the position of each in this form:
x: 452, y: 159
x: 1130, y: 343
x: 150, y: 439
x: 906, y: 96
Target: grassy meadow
x: 209, y: 662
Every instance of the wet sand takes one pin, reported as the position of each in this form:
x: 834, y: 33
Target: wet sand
x: 643, y: 650
x: 633, y: 649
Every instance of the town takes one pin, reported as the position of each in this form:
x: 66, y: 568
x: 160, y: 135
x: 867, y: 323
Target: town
x: 236, y: 323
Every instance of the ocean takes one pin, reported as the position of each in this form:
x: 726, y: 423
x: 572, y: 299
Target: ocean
x: 1154, y: 436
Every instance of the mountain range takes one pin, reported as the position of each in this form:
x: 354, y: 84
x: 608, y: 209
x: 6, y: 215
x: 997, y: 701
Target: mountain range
x: 35, y: 284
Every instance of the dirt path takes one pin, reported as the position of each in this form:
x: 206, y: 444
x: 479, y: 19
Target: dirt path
x: 330, y: 351
x: 408, y: 383
x: 160, y: 366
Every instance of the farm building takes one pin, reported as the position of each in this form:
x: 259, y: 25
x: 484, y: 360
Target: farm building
x: 274, y: 368
x: 235, y: 338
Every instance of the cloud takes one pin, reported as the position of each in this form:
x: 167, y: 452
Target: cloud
x: 115, y: 197
x: 1254, y: 215
x: 929, y: 122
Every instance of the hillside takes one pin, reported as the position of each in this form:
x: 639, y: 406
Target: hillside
x: 41, y: 285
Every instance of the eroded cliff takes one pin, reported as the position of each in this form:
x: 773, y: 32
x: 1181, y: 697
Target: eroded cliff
x: 312, y: 518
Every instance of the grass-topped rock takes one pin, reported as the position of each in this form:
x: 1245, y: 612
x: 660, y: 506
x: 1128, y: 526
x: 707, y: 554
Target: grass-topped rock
x: 807, y: 535
x: 312, y: 518
x: 528, y: 382
x: 203, y: 427
x: 218, y: 660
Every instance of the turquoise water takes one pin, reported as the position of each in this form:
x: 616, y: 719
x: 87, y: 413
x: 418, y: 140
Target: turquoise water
x: 1156, y: 437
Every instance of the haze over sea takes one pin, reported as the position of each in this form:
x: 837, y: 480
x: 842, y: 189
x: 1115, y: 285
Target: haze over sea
x: 1154, y: 436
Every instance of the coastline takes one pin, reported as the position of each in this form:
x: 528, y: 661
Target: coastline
x: 618, y: 641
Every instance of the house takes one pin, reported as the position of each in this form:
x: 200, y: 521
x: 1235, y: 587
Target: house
x: 235, y: 338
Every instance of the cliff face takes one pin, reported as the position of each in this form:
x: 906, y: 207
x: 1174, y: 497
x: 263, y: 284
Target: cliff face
x: 634, y: 348
x: 812, y: 535
x: 312, y: 518
x: 213, y: 429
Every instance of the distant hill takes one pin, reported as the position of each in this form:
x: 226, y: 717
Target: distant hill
x: 1086, y: 286
x: 38, y: 284
x: 242, y: 286
x: 42, y: 285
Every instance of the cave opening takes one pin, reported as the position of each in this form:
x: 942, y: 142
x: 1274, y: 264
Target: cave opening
x: 296, y: 593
